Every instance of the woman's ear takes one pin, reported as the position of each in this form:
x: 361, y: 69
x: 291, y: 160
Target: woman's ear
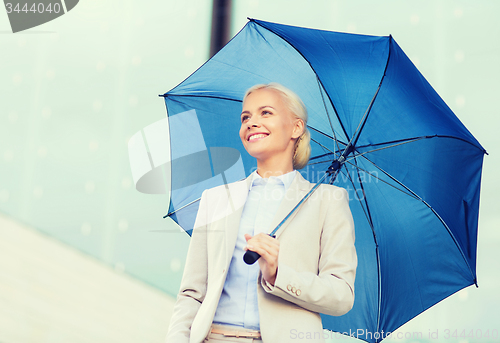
x: 298, y: 128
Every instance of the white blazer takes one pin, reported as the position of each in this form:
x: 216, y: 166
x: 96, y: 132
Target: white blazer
x: 316, y: 264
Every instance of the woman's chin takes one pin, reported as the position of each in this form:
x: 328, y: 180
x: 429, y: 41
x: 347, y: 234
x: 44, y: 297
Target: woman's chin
x: 260, y: 156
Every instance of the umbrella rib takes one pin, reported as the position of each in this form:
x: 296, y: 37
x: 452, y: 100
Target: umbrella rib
x: 320, y: 132
x: 331, y: 102
x: 365, y: 116
x: 362, y: 206
x: 327, y: 114
x: 370, y: 222
x: 180, y: 208
x: 318, y: 157
x: 363, y: 119
x: 387, y: 147
x: 311, y: 164
x: 324, y: 147
x: 387, y: 183
x: 428, y: 136
x: 171, y: 96
x: 394, y: 141
x: 433, y: 211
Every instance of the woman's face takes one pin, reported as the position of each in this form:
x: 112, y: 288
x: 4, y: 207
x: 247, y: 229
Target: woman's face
x: 268, y: 128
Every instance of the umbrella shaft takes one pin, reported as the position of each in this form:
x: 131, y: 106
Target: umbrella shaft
x: 302, y: 200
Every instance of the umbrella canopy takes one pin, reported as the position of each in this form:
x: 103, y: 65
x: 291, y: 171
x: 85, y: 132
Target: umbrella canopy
x: 411, y: 167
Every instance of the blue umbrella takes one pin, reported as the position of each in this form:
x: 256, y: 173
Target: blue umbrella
x: 412, y: 169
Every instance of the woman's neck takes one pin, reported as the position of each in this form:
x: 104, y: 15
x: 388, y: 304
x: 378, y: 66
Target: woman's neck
x: 274, y: 167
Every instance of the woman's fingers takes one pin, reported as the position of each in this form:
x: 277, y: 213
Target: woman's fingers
x: 262, y: 243
x: 268, y: 248
x: 261, y: 237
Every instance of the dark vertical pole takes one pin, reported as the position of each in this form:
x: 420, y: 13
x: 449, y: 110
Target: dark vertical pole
x: 221, y: 25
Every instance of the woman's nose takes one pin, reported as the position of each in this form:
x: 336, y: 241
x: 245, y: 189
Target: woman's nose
x: 252, y: 122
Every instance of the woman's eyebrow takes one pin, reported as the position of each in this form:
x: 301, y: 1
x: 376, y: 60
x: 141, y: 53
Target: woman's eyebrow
x: 260, y: 108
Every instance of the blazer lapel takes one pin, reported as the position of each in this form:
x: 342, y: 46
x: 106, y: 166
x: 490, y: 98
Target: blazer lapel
x: 237, y: 194
x: 297, y: 190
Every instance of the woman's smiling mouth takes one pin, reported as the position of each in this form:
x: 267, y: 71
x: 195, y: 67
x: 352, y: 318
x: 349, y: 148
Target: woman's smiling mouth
x: 256, y: 136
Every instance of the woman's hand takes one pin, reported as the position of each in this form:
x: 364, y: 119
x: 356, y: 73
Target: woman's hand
x: 268, y: 248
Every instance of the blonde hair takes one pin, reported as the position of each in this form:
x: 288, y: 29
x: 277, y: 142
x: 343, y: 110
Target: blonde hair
x: 302, y: 150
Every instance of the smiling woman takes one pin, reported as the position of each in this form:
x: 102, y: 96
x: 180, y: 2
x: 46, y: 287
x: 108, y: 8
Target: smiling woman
x: 307, y: 269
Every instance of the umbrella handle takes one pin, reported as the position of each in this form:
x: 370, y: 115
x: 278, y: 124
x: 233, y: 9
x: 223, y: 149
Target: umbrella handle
x: 251, y: 257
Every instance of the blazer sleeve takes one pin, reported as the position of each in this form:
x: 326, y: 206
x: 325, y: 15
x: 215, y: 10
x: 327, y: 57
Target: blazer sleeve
x: 194, y: 280
x: 331, y: 290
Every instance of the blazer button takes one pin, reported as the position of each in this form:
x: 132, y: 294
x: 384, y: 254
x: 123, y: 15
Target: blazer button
x: 293, y: 289
x: 298, y: 292
x: 289, y: 287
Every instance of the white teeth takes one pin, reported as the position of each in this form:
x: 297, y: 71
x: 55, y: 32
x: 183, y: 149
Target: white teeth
x: 254, y: 137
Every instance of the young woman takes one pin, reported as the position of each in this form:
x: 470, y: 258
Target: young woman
x: 309, y: 268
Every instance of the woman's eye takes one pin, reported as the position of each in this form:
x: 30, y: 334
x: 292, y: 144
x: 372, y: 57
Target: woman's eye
x: 244, y: 119
x: 266, y: 112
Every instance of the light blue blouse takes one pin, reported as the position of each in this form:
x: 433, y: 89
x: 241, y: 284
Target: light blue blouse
x: 238, y: 302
